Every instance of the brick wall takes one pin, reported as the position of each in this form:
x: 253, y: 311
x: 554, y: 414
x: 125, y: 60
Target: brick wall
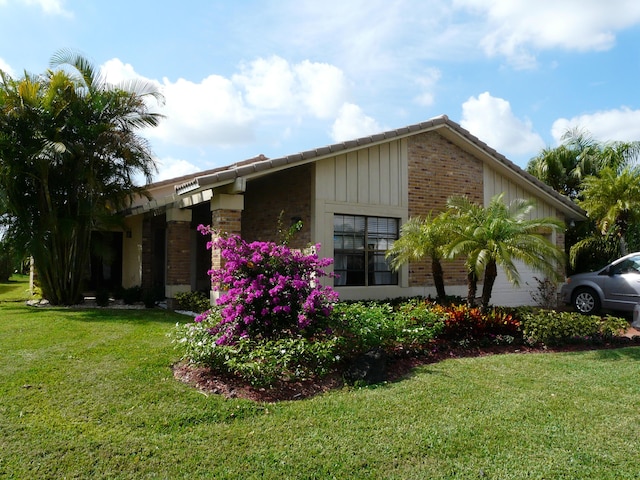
x: 287, y: 191
x: 226, y: 221
x: 437, y: 170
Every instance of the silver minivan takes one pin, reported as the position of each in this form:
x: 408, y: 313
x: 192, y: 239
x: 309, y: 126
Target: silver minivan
x: 615, y: 287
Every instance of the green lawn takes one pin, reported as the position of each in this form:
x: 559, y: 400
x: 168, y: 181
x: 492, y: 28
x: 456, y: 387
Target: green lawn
x: 16, y: 289
x: 90, y: 394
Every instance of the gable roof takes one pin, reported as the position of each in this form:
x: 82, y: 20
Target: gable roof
x: 261, y: 165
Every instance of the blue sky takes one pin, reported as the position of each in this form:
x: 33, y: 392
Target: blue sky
x: 243, y: 78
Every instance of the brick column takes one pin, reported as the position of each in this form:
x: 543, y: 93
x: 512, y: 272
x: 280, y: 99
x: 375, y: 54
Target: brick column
x: 226, y: 218
x: 178, y: 278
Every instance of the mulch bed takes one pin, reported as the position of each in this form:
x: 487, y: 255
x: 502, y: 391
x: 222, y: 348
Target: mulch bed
x: 399, y: 367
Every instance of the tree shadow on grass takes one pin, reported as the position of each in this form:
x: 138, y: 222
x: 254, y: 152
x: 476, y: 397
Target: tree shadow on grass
x: 620, y: 352
x: 97, y: 314
x: 123, y: 315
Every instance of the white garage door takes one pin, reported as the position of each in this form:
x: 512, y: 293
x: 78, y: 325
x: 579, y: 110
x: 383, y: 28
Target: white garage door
x: 505, y: 294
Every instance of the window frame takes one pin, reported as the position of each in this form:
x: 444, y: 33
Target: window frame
x: 358, y: 264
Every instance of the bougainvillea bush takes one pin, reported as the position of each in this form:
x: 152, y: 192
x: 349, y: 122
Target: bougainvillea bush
x: 268, y: 290
x: 271, y: 300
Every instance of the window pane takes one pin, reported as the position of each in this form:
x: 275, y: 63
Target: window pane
x: 360, y: 244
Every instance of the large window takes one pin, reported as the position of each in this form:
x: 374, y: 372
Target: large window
x: 360, y: 244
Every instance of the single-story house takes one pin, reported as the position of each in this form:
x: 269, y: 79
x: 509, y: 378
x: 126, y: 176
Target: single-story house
x: 352, y: 198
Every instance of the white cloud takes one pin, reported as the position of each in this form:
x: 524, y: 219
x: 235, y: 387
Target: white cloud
x: 267, y: 83
x: 353, y: 123
x: 426, y: 83
x: 492, y: 121
x: 6, y: 68
x: 225, y: 111
x: 210, y: 112
x: 49, y: 7
x: 276, y: 85
x: 116, y: 72
x: 519, y: 28
x: 172, y: 168
x: 323, y: 88
x: 621, y: 124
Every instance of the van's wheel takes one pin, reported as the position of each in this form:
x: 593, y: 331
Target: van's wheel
x: 586, y: 301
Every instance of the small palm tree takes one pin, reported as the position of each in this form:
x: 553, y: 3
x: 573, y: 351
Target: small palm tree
x: 421, y: 238
x: 500, y: 235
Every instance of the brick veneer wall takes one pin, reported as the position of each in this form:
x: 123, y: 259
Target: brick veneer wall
x: 288, y: 191
x: 228, y: 222
x: 437, y: 170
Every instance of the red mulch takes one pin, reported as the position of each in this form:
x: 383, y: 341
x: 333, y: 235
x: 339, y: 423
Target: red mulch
x: 399, y: 367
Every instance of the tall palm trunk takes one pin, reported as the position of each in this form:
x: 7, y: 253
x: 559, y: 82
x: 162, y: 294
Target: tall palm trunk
x: 472, y: 284
x: 438, y: 277
x: 490, y: 274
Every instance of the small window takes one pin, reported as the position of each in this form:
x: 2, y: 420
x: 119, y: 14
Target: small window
x: 630, y: 265
x: 360, y: 245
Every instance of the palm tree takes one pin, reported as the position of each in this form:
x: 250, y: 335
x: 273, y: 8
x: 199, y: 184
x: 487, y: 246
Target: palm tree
x: 421, y: 238
x: 568, y: 169
x: 612, y: 200
x: 564, y: 167
x: 69, y: 152
x: 499, y: 235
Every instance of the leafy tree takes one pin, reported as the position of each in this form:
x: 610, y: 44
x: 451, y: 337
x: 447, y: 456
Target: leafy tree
x: 421, y: 238
x: 563, y: 168
x: 499, y: 235
x: 69, y: 152
x: 612, y: 200
x: 568, y: 169
x: 7, y: 259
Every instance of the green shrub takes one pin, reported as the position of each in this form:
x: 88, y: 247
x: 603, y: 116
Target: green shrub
x: 118, y: 292
x: 263, y: 363
x: 132, y: 295
x: 260, y: 362
x: 549, y: 327
x: 196, y: 302
x: 412, y: 325
x: 469, y: 325
x: 364, y: 326
x: 149, y: 298
x: 358, y: 327
x: 102, y: 297
x: 417, y: 324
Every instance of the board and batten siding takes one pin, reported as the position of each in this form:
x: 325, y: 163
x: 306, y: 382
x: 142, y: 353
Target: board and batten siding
x: 370, y: 181
x: 504, y: 292
x: 495, y: 183
x: 371, y: 176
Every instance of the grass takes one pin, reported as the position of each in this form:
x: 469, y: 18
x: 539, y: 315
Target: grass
x: 90, y: 394
x: 16, y: 289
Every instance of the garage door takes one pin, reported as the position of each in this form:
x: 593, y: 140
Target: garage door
x: 505, y: 294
